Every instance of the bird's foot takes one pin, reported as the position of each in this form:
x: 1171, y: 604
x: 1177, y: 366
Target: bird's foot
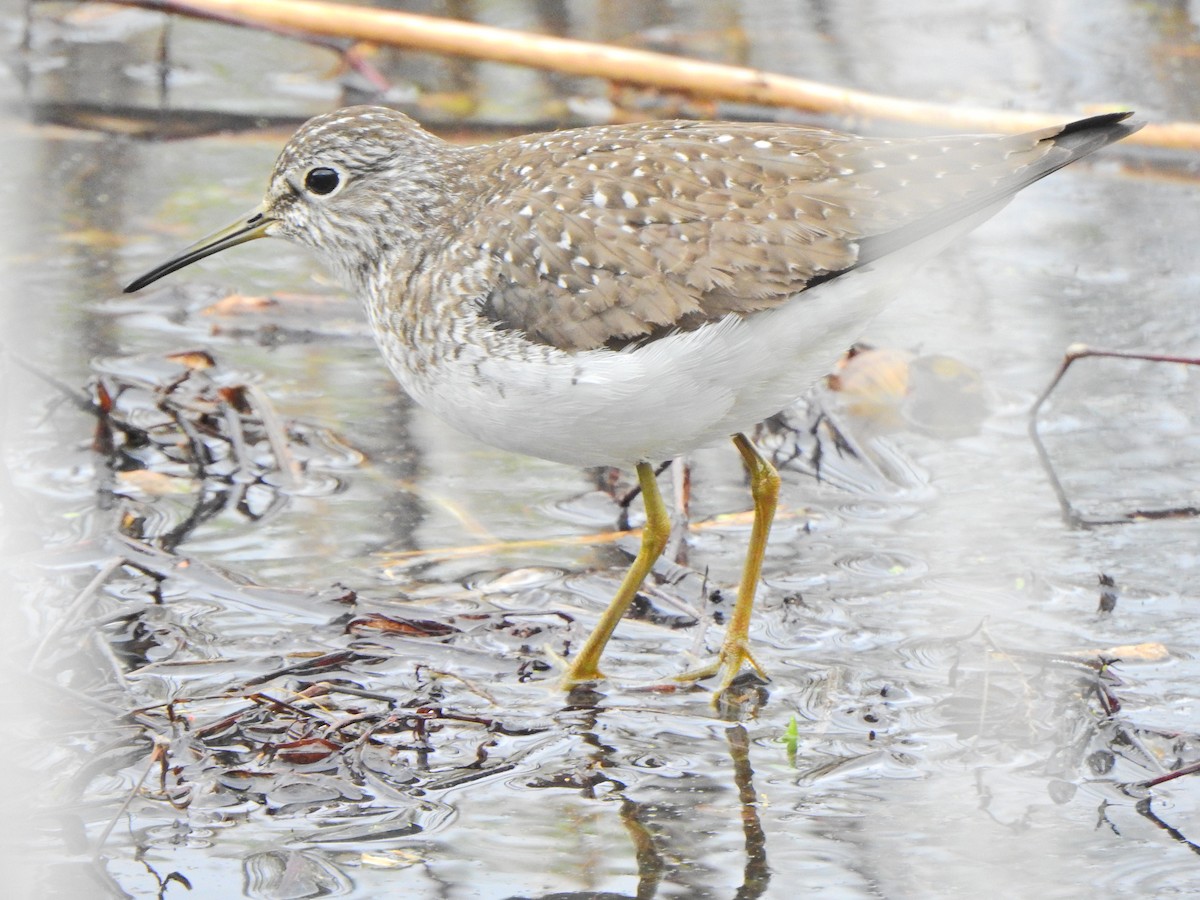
x: 574, y: 672
x: 734, y: 656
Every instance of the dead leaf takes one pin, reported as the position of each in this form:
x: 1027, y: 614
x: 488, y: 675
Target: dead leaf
x: 239, y: 304
x: 306, y: 751
x: 156, y: 484
x: 196, y: 360
x: 408, y: 627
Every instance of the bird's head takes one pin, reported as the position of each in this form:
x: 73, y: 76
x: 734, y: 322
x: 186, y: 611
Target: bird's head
x: 357, y: 185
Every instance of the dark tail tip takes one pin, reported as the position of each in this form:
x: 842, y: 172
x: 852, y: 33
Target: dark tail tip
x: 1086, y: 135
x: 1101, y: 121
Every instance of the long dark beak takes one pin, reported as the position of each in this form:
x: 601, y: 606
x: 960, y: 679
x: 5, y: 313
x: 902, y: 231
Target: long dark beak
x: 248, y: 228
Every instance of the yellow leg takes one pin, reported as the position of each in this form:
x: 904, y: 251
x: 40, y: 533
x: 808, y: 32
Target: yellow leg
x: 735, y: 651
x: 586, y: 666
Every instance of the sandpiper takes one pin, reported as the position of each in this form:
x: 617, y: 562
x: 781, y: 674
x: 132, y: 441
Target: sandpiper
x: 625, y: 294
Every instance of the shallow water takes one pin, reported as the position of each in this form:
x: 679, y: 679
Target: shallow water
x: 930, y: 622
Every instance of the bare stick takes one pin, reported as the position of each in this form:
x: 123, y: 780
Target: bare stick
x: 75, y: 610
x: 289, y: 469
x: 1082, y: 351
x: 623, y: 65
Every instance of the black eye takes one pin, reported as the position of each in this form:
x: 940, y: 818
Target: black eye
x: 322, y: 181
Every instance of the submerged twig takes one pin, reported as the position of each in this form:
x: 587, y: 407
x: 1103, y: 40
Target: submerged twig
x: 276, y: 436
x: 156, y: 758
x: 1191, y: 769
x: 72, y: 612
x: 1082, y: 351
x: 576, y: 540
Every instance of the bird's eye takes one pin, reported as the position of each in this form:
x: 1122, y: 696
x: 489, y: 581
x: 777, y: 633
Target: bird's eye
x: 322, y: 181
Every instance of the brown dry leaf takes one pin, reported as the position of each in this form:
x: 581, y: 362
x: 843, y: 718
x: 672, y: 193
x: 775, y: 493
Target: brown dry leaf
x: 239, y: 304
x: 196, y: 360
x: 94, y: 238
x: 306, y: 750
x: 1151, y: 651
x: 235, y: 396
x: 397, y: 858
x: 872, y: 382
x: 156, y: 484
x: 408, y: 627
x: 104, y: 399
x: 92, y: 12
x: 888, y: 389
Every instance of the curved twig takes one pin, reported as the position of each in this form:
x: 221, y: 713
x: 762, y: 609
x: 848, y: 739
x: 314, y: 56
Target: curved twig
x: 631, y: 66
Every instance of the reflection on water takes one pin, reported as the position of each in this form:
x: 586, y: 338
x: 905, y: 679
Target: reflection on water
x: 315, y: 658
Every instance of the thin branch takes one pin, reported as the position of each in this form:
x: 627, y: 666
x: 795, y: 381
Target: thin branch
x: 624, y: 65
x: 1070, y: 515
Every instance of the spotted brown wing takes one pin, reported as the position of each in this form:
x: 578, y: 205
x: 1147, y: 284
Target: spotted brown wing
x: 620, y: 234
